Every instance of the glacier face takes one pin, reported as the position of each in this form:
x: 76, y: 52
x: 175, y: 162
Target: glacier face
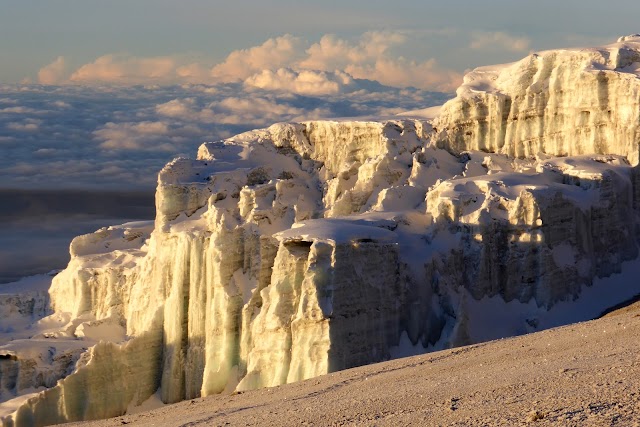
x: 560, y: 102
x: 289, y: 252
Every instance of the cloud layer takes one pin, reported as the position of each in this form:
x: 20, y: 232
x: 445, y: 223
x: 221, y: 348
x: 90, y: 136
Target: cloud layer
x: 119, y: 137
x: 286, y: 64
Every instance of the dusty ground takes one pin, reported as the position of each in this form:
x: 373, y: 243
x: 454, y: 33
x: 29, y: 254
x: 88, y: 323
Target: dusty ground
x: 582, y: 374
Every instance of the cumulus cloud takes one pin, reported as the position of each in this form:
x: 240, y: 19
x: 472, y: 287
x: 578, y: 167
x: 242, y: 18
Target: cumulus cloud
x: 402, y: 72
x: 18, y: 110
x: 193, y: 73
x: 144, y: 136
x: 285, y: 63
x: 53, y: 73
x: 368, y: 57
x: 45, y: 151
x: 28, y: 125
x: 305, y: 82
x: 126, y: 69
x: 272, y: 54
x: 60, y: 104
x: 251, y: 111
x: 178, y: 108
x: 499, y: 40
x: 334, y: 53
x: 261, y: 110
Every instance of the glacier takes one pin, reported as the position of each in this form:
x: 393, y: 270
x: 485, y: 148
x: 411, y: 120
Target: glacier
x: 285, y: 253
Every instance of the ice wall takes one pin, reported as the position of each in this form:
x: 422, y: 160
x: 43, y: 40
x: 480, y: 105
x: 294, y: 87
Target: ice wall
x: 304, y: 248
x: 542, y: 233
x: 222, y: 298
x: 560, y: 102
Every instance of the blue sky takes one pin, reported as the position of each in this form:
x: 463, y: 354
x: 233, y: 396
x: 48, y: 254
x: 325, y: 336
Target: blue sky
x: 34, y: 33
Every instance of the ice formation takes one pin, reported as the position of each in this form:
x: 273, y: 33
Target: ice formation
x: 560, y: 102
x: 305, y: 248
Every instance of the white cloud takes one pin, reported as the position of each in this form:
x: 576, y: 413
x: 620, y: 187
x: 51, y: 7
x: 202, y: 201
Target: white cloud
x: 401, y: 72
x: 284, y: 64
x: 27, y: 127
x: 334, y: 53
x: 272, y: 54
x: 61, y: 104
x: 235, y: 110
x: 187, y: 109
x: 193, y: 73
x: 179, y: 108
x: 18, y: 110
x: 143, y: 136
x: 45, y: 151
x: 499, y: 40
x: 305, y: 82
x: 126, y: 69
x: 371, y: 57
x: 249, y: 110
x: 54, y: 73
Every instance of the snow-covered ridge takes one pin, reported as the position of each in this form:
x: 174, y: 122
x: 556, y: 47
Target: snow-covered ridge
x: 305, y: 248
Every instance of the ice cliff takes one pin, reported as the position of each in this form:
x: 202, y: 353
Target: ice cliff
x: 289, y: 252
x: 560, y: 102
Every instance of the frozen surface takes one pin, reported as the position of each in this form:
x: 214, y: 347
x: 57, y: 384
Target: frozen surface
x: 22, y: 303
x: 559, y: 102
x: 305, y: 248
x: 31, y: 284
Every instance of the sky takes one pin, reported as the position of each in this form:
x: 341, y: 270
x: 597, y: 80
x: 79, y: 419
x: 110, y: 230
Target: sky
x: 96, y: 96
x: 457, y: 34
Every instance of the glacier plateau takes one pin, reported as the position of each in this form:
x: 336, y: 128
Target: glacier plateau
x: 290, y: 252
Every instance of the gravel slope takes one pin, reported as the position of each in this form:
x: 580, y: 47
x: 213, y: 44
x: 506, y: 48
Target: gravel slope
x: 581, y: 374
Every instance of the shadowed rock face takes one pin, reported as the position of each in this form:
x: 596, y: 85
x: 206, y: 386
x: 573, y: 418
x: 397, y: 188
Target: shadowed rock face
x: 290, y: 252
